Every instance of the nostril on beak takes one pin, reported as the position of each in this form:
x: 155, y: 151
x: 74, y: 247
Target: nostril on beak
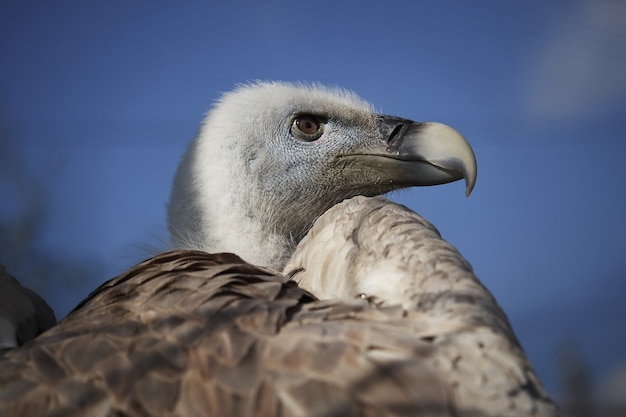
x: 394, y: 133
x: 392, y: 130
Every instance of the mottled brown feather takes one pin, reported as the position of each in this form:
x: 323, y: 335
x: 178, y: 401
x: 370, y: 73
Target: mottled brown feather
x: 23, y: 313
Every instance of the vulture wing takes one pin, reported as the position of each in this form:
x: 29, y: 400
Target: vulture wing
x: 23, y: 313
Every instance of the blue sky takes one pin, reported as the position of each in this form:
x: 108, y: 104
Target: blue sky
x: 103, y: 98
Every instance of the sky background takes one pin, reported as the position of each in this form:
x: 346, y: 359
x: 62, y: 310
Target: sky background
x: 98, y: 101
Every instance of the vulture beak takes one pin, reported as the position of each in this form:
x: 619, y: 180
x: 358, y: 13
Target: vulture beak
x: 424, y: 153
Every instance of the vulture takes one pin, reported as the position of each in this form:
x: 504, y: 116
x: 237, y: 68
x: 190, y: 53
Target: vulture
x: 292, y: 288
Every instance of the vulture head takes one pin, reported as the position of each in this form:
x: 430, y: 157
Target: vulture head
x: 271, y: 157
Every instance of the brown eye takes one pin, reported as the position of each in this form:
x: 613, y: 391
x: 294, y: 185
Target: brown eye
x: 307, y: 124
x: 307, y: 128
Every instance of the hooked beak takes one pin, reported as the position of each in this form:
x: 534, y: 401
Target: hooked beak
x: 422, y: 153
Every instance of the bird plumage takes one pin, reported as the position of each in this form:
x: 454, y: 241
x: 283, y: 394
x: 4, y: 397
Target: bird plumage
x: 200, y: 334
x: 390, y: 255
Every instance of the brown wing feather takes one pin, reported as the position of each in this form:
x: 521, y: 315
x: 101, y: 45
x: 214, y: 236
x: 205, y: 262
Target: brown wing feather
x: 23, y: 313
x: 187, y: 333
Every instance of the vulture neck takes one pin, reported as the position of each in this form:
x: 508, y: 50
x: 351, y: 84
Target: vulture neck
x: 227, y: 225
x: 255, y: 240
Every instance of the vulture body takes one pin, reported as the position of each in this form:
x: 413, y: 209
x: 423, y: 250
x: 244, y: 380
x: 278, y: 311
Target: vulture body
x: 374, y: 314
x: 199, y: 334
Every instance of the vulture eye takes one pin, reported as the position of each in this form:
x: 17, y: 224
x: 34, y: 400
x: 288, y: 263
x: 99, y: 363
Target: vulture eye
x: 307, y: 128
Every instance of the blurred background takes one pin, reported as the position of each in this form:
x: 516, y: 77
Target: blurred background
x: 99, y: 100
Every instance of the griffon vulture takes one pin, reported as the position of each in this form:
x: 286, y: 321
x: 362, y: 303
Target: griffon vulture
x: 375, y: 315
